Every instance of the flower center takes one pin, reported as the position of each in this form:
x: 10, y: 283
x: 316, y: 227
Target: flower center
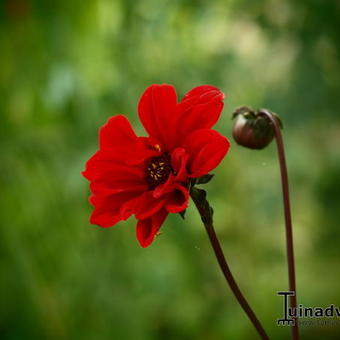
x: 158, y: 169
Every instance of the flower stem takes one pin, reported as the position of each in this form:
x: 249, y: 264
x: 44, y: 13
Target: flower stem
x: 288, y: 218
x: 206, y: 212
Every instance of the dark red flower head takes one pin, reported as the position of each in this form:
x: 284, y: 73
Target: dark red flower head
x: 149, y: 176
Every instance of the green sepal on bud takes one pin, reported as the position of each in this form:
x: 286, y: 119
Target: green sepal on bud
x: 253, y: 129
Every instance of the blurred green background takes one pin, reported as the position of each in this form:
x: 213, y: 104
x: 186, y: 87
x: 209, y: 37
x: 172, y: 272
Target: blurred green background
x: 65, y: 67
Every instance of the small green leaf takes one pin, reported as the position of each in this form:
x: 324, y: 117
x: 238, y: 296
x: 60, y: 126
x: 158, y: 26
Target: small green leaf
x: 192, y: 183
x: 205, y: 179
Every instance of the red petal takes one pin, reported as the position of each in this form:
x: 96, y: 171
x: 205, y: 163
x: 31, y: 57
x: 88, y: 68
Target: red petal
x: 117, y: 186
x: 156, y: 110
x: 105, y: 173
x: 164, y: 188
x: 147, y: 205
x: 200, y: 108
x: 147, y: 229
x: 206, y: 149
x: 177, y: 200
x: 103, y: 162
x: 143, y: 150
x: 117, y: 132
x: 203, y: 91
x: 179, y: 159
x: 119, y: 146
x: 107, y: 209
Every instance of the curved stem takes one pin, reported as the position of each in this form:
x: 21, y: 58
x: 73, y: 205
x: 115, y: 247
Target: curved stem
x: 206, y: 216
x: 288, y: 218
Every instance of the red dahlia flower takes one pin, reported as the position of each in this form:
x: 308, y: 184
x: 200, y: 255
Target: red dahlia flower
x: 149, y: 176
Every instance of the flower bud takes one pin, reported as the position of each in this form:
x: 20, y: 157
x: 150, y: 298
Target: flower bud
x: 252, y: 129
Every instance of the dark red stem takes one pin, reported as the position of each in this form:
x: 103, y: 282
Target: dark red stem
x: 207, y: 221
x: 288, y: 218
